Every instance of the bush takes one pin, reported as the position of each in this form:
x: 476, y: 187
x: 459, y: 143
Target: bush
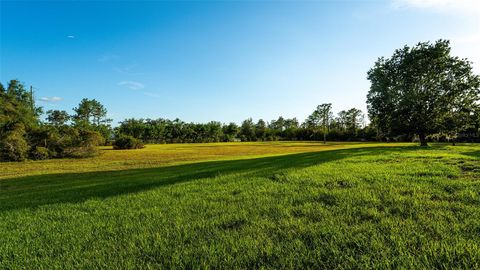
x: 91, y: 138
x: 85, y: 145
x: 127, y: 142
x: 39, y: 153
x: 80, y: 152
x: 14, y: 146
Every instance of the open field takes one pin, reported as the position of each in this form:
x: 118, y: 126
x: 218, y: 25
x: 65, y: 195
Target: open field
x: 271, y: 205
x: 169, y: 154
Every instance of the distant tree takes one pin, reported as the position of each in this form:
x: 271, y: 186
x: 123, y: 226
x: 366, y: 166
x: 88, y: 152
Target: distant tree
x: 90, y: 112
x: 213, y: 131
x: 261, y: 130
x: 57, y: 117
x: 132, y: 127
x: 247, y: 130
x: 230, y: 132
x: 321, y: 117
x: 353, y: 120
x: 416, y: 89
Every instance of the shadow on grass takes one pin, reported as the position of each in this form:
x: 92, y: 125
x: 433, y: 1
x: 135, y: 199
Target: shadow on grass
x: 33, y: 191
x: 472, y: 154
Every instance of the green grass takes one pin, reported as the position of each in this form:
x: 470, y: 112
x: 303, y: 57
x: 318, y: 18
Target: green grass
x: 338, y: 206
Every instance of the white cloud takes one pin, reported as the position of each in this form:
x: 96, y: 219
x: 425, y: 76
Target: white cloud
x: 444, y: 6
x: 50, y: 99
x: 132, y: 85
x: 70, y: 36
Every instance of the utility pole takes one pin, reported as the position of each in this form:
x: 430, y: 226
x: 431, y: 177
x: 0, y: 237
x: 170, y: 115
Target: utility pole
x: 31, y: 98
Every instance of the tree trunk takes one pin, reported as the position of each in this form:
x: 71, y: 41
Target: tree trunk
x: 423, y: 139
x: 324, y: 138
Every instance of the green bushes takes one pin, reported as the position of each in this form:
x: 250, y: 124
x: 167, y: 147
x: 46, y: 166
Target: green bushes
x: 14, y: 146
x: 24, y: 135
x: 127, y: 142
x: 39, y: 153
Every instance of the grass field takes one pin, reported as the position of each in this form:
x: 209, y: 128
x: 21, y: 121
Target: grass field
x: 246, y: 205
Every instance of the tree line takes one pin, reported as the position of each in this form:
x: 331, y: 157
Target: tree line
x: 419, y: 93
x: 347, y: 125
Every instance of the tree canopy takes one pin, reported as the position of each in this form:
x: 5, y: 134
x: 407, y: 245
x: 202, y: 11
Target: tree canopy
x: 422, y: 90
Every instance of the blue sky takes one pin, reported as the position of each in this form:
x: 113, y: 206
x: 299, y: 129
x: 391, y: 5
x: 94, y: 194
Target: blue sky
x: 224, y: 61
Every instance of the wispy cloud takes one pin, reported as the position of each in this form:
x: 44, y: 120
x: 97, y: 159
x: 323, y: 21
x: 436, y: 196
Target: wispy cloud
x: 126, y: 69
x: 70, y: 36
x: 132, y: 85
x: 153, y: 95
x: 50, y: 99
x: 443, y: 6
x: 108, y: 58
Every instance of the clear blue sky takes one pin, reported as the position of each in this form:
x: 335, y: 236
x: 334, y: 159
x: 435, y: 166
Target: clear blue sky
x: 224, y: 61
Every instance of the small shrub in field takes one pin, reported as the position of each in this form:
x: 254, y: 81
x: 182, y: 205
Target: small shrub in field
x: 80, y: 152
x: 127, y: 142
x: 39, y: 153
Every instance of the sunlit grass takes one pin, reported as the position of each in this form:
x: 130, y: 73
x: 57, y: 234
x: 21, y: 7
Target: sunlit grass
x: 168, y: 154
x: 370, y: 207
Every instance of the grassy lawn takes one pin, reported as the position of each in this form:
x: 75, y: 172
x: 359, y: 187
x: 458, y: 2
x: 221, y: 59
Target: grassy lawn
x: 246, y: 205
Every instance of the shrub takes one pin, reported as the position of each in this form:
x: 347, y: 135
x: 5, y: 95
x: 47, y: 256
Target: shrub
x: 91, y: 138
x: 80, y: 152
x: 127, y: 142
x: 39, y: 153
x: 85, y: 145
x: 14, y: 146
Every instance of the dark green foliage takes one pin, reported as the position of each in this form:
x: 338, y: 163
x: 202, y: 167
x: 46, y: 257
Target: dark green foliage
x: 321, y: 117
x: 422, y: 90
x: 57, y: 118
x: 39, y: 153
x: 230, y: 132
x: 247, y: 131
x: 13, y: 145
x: 347, y: 126
x: 79, y: 143
x: 23, y: 135
x: 127, y: 142
x: 91, y: 114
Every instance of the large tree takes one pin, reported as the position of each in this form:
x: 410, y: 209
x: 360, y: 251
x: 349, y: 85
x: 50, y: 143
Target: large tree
x: 57, y: 118
x: 418, y: 88
x: 90, y: 112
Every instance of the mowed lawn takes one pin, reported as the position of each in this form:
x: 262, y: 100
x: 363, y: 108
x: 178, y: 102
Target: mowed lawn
x: 246, y: 205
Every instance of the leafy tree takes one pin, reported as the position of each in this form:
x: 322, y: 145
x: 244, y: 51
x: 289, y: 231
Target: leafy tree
x: 230, y: 131
x: 353, y: 120
x: 261, y: 130
x: 321, y: 117
x: 57, y: 117
x: 13, y: 144
x: 17, y: 106
x: 416, y: 89
x: 247, y: 130
x: 90, y: 112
